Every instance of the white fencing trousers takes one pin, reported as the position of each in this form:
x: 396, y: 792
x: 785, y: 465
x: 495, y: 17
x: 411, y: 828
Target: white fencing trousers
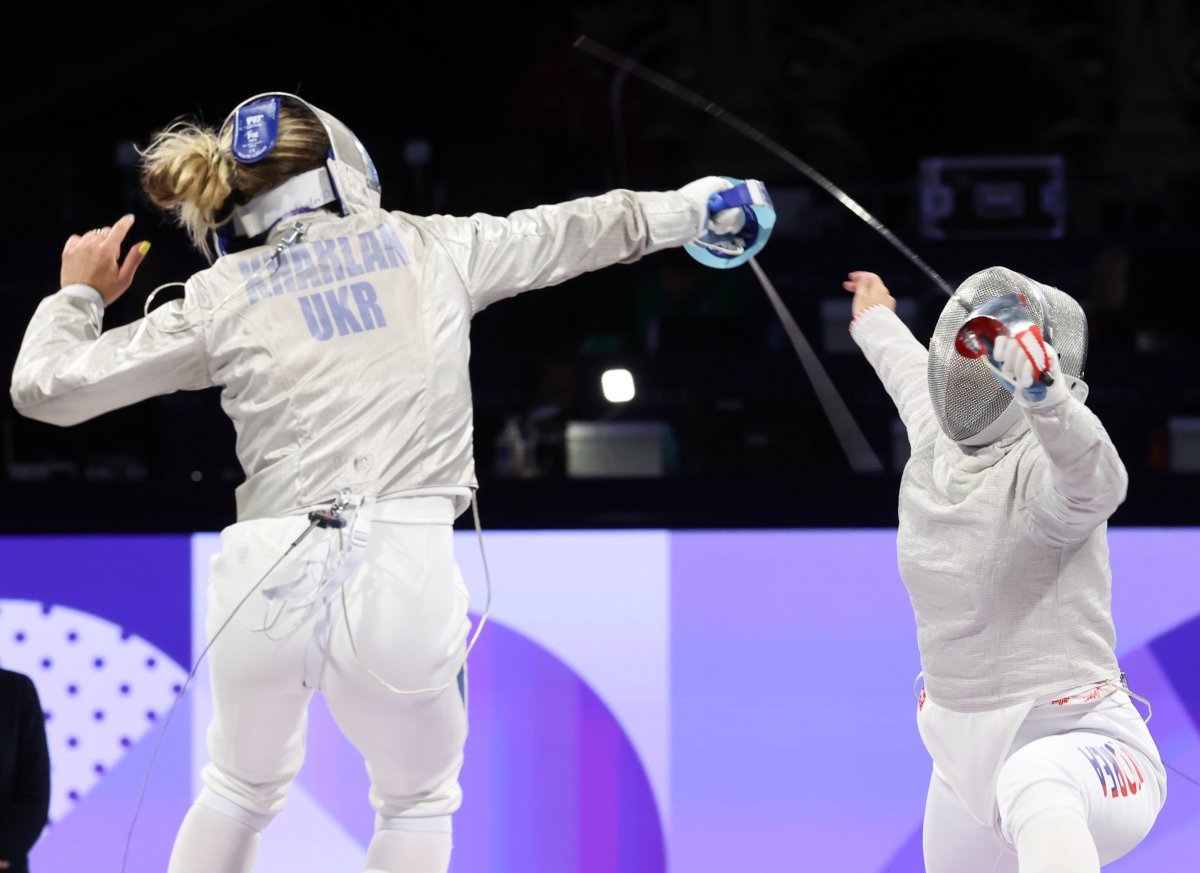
x: 1080, y: 786
x: 407, y: 609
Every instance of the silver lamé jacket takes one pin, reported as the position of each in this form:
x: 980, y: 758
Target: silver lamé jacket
x: 344, y: 364
x: 1002, y: 548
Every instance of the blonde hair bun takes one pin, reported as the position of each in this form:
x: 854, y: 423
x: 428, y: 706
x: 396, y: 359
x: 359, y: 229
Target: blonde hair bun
x: 190, y: 169
x: 186, y: 164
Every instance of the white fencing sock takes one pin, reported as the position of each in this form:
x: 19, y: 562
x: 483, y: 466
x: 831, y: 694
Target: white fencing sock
x: 209, y: 842
x: 405, y: 851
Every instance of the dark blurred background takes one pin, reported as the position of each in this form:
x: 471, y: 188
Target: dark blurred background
x: 1060, y: 139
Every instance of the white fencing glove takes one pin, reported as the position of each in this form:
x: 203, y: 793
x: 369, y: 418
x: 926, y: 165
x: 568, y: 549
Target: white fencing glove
x: 727, y: 221
x: 1022, y: 360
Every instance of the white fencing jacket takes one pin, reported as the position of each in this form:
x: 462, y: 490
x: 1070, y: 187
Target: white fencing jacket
x: 1003, y: 548
x: 347, y: 364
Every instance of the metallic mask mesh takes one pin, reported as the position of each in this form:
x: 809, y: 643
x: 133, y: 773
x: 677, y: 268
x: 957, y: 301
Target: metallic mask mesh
x: 966, y: 396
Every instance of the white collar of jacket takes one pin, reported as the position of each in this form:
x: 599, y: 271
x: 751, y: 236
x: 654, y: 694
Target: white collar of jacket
x: 302, y: 193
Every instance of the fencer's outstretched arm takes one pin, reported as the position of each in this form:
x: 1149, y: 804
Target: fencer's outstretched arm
x: 897, y: 356
x: 69, y: 371
x: 533, y: 248
x: 1077, y: 479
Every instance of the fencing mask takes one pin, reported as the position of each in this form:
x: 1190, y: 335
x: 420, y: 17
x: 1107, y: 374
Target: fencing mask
x: 972, y: 407
x: 348, y: 178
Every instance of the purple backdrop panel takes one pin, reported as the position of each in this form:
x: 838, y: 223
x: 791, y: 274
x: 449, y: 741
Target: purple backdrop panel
x: 141, y: 583
x: 93, y: 836
x: 551, y: 781
x: 107, y: 648
x: 1154, y: 582
x: 334, y: 772
x: 792, y: 733
x: 793, y: 736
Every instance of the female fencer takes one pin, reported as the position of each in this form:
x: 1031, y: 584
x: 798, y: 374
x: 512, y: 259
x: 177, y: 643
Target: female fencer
x: 338, y: 333
x: 1040, y: 761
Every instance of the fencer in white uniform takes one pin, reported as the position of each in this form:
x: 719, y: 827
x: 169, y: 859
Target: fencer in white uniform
x: 1041, y: 763
x: 338, y: 334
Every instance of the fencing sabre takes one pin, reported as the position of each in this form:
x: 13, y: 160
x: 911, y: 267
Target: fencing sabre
x: 858, y: 451
x: 705, y: 105
x: 859, y: 454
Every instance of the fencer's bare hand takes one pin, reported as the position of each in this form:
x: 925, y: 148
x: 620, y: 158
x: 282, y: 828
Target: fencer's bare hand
x: 868, y: 290
x: 95, y: 259
x: 4, y: 865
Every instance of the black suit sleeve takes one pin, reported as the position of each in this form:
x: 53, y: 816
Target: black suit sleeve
x: 30, y: 804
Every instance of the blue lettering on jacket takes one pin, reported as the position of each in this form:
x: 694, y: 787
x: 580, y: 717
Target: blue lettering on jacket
x: 327, y: 261
x: 345, y: 310
x: 316, y: 317
x: 276, y: 279
x: 352, y: 267
x: 339, y: 308
x: 315, y: 265
x: 372, y: 254
x: 303, y: 267
x: 369, y: 309
x: 392, y: 247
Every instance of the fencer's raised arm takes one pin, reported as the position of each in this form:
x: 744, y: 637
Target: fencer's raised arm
x: 897, y: 356
x: 533, y: 248
x: 68, y: 371
x: 1077, y: 480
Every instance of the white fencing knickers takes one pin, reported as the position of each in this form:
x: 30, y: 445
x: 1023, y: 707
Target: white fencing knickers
x: 1079, y: 786
x: 407, y: 607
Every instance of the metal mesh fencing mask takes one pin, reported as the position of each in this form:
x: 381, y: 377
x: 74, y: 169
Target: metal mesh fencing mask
x: 972, y: 407
x: 254, y: 129
x: 349, y: 177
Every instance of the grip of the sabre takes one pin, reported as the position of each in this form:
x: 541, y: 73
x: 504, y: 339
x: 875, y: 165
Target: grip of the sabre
x: 1006, y: 315
x: 748, y: 193
x: 724, y: 251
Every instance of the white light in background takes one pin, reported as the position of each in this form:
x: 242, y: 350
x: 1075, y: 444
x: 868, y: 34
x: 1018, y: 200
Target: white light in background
x: 617, y: 386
